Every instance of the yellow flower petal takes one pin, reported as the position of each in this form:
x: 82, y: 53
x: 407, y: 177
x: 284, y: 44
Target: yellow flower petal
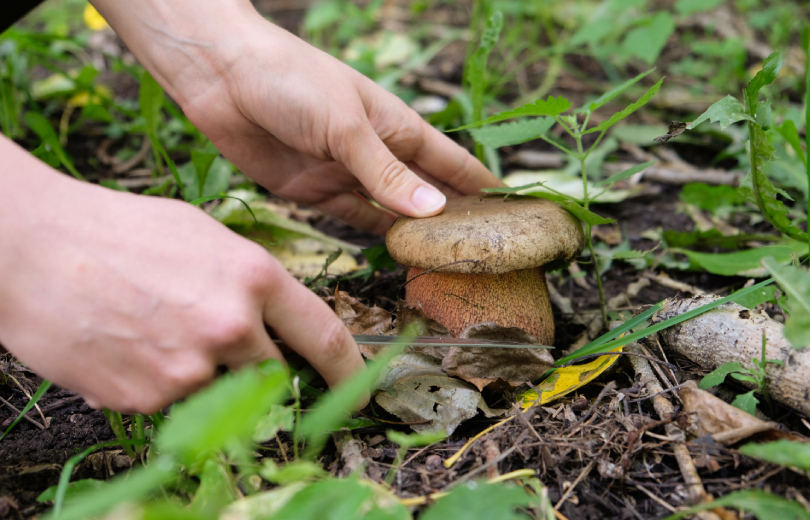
x: 93, y: 19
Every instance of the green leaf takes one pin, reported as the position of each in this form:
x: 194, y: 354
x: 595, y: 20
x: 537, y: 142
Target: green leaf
x: 216, y: 488
x: 129, y: 487
x: 280, y: 418
x: 43, y: 387
x: 227, y: 411
x: 214, y: 176
x: 417, y: 439
x: 795, y: 282
x: 550, y: 107
x: 202, y: 164
x: 332, y: 409
x: 718, y: 375
x: 688, y: 7
x: 743, y: 263
x: 626, y: 174
x: 647, y: 41
x: 765, y: 506
x: 585, y: 215
x: 480, y: 501
x: 615, y: 118
x: 74, y: 489
x: 791, y: 135
x: 44, y: 154
x: 750, y: 301
x: 727, y: 111
x: 782, y: 452
x: 714, y: 238
x: 45, y: 131
x: 512, y: 133
x: 150, y: 99
x: 341, y: 499
x: 612, y: 93
x: 766, y: 76
x: 477, y: 63
x: 295, y: 471
x: 379, y: 258
x: 746, y: 402
x: 710, y: 198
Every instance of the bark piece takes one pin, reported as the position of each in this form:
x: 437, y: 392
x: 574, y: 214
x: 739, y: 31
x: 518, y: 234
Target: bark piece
x: 733, y: 333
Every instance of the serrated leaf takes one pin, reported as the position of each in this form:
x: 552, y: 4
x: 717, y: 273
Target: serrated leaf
x: 612, y: 93
x: 746, y: 402
x: 615, y: 118
x: 765, y: 506
x: 718, y: 375
x: 512, y: 133
x: 549, y: 107
x: 766, y: 76
x: 727, y: 111
x: 796, y: 284
x: 782, y: 452
x: 477, y: 64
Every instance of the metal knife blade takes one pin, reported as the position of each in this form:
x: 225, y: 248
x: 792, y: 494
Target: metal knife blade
x: 440, y: 341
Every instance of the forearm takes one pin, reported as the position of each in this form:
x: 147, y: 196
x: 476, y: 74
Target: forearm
x: 187, y: 45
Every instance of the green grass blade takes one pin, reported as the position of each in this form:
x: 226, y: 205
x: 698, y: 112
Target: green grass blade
x: 43, y: 387
x: 197, y: 202
x: 598, y: 348
x: 764, y: 506
x: 45, y: 131
x: 806, y: 45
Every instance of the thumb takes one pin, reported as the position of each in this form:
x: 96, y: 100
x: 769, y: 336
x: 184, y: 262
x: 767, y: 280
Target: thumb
x: 387, y: 179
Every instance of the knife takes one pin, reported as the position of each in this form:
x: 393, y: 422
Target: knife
x: 440, y: 341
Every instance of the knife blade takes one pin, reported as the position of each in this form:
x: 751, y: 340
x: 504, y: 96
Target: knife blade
x: 440, y: 341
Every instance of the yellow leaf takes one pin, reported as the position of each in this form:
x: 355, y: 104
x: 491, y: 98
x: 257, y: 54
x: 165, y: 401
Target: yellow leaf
x: 93, y: 19
x: 567, y: 379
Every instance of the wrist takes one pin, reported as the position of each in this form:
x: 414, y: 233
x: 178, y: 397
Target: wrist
x: 188, y: 46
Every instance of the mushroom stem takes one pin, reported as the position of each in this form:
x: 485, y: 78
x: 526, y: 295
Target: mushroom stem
x: 458, y: 300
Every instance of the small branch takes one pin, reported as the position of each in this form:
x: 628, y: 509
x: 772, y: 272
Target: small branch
x: 32, y: 421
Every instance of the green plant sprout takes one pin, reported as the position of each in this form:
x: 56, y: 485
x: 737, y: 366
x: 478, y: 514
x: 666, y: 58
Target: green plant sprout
x: 539, y: 117
x: 755, y: 376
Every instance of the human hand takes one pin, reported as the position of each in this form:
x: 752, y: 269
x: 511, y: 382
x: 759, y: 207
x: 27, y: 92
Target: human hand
x: 133, y: 302
x: 301, y: 123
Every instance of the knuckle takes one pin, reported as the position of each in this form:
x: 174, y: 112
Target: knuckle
x: 232, y: 329
x: 393, y: 177
x: 335, y: 342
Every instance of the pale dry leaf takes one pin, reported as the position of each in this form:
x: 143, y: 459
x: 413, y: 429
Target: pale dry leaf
x: 359, y: 318
x: 415, y: 389
x: 726, y: 424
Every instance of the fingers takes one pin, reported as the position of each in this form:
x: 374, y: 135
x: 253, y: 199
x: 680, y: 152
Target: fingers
x: 389, y: 180
x: 357, y: 211
x: 307, y: 324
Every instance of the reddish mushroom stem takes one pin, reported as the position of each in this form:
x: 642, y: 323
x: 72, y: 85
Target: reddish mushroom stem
x: 458, y: 300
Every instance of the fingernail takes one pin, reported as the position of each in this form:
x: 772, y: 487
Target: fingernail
x: 428, y: 200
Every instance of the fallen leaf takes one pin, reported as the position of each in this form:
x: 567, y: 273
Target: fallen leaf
x: 415, y: 389
x: 359, y: 318
x: 485, y: 365
x: 676, y: 128
x: 710, y: 415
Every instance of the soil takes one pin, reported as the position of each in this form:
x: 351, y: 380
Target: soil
x: 581, y: 442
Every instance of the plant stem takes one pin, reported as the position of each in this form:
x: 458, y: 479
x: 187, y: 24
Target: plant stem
x: 807, y: 123
x: 588, y: 240
x: 117, y: 426
x: 389, y: 479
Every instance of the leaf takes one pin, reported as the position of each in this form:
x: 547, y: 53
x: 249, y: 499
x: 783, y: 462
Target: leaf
x: 796, y: 283
x: 791, y: 135
x: 341, y: 499
x: 687, y: 7
x: 415, y: 388
x: 45, y: 131
x: 150, y: 99
x: 615, y: 118
x: 783, y: 452
x: 626, y: 174
x: 746, y: 402
x: 512, y: 133
x: 714, y: 238
x: 295, y: 471
x: 710, y: 198
x: 202, y: 165
x: 764, y: 506
x: 550, y: 107
x: 477, y: 63
x: 608, y: 96
x: 565, y: 380
x: 215, y: 177
x: 558, y: 186
x: 280, y: 418
x: 743, y: 263
x: 585, y: 215
x: 227, y: 411
x: 330, y: 411
x: 727, y: 111
x: 752, y: 300
x: 647, y: 41
x: 129, y: 487
x: 718, y: 375
x: 379, y: 258
x: 766, y: 76
x: 74, y: 489
x: 216, y: 488
x: 415, y: 440
x: 480, y: 501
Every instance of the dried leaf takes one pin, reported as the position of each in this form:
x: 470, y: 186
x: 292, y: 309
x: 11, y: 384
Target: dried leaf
x: 676, y: 128
x: 725, y: 423
x: 359, y: 318
x: 482, y: 366
x: 415, y: 389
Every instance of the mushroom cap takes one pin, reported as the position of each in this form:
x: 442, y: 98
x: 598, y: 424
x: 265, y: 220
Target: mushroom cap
x: 498, y: 235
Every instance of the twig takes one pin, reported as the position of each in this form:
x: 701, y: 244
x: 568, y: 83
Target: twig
x: 652, y: 495
x: 659, y: 393
x: 576, y: 482
x: 28, y: 395
x: 35, y: 423
x: 48, y: 408
x: 428, y: 271
x: 482, y: 468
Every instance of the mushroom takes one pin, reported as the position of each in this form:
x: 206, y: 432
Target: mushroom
x: 482, y: 260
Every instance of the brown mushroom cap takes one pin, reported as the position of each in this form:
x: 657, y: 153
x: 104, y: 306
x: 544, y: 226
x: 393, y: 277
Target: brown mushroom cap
x: 499, y: 235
